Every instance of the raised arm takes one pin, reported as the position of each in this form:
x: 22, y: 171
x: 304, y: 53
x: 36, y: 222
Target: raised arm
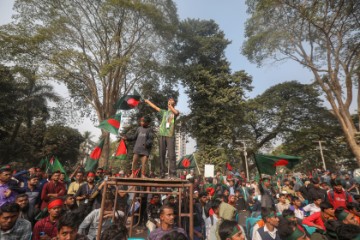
x: 171, y: 107
x: 152, y: 105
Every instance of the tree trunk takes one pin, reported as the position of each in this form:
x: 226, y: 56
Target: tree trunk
x: 104, y: 159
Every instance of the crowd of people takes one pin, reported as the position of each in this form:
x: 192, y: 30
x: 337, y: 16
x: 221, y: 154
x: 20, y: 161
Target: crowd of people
x: 37, y: 205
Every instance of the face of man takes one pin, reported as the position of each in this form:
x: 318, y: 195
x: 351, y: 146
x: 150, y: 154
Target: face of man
x: 79, y: 177
x: 55, y: 212
x: 99, y: 173
x: 172, y: 201
x: 203, y: 199
x: 330, y: 212
x: 5, y: 176
x: 338, y: 188
x: 238, y: 236
x: 171, y: 102
x: 167, y: 217
x: 282, y: 199
x: 70, y: 201
x: 90, y: 179
x: 23, y: 202
x: 274, y: 221
x: 318, y: 202
x: 67, y: 233
x: 32, y: 171
x: 351, y: 219
x: 232, y: 199
x: 267, y: 183
x: 156, y: 198
x: 33, y: 182
x: 55, y: 177
x: 39, y: 173
x: 7, y: 220
x: 297, y: 203
x: 62, y: 177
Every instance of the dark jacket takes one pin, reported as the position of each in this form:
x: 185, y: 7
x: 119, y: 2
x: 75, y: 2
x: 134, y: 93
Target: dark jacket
x: 314, y: 192
x: 153, y: 211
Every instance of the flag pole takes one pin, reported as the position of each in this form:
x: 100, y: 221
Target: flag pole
x: 197, y: 166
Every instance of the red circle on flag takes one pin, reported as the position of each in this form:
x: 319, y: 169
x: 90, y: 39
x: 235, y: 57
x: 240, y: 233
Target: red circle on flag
x: 186, y: 163
x: 132, y: 102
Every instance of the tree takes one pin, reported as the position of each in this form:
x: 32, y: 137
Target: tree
x: 215, y: 94
x: 99, y: 49
x: 286, y: 113
x: 322, y: 36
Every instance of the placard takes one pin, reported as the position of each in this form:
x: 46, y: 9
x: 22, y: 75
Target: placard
x: 209, y: 170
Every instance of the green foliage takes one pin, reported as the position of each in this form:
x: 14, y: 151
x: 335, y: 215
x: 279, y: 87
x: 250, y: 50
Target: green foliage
x: 215, y: 94
x: 322, y: 36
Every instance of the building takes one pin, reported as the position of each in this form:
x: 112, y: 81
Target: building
x: 180, y: 144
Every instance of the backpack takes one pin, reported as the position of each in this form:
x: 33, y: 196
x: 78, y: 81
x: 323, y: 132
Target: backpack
x: 347, y: 196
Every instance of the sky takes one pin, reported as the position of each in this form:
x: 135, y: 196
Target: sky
x: 231, y: 16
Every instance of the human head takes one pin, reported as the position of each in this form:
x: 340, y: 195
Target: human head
x: 345, y: 216
x: 266, y: 182
x: 55, y: 207
x: 33, y: 180
x: 289, y: 215
x: 62, y: 177
x: 90, y: 177
x: 79, y: 176
x: 116, y: 231
x: 230, y: 230
x: 216, y: 206
x: 317, y: 200
x: 231, y: 199
x: 5, y: 174
x: 203, y: 197
x: 269, y: 216
x: 145, y: 121
x: 174, y: 235
x: 296, y: 202
x: 282, y: 198
x: 171, y: 101
x: 196, y: 194
x: 155, y: 198
x: 67, y: 227
x: 55, y: 176
x: 167, y: 215
x: 338, y: 185
x: 354, y: 208
x: 348, y: 231
x: 9, y: 213
x: 327, y: 208
x: 99, y: 172
x: 69, y: 200
x: 316, y: 183
x: 22, y: 200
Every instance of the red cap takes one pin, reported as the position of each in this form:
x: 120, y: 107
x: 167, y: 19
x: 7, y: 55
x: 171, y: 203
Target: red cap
x: 55, y: 203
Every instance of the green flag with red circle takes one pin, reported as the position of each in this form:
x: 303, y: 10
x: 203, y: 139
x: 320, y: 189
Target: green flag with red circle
x: 112, y: 124
x: 186, y: 162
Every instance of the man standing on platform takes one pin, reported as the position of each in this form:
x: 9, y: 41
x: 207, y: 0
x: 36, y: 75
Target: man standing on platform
x: 167, y: 136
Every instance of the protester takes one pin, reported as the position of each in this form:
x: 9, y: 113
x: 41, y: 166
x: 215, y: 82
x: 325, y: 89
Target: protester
x: 153, y: 212
x: 67, y: 228
x: 33, y: 190
x: 11, y: 226
x: 143, y: 138
x: 26, y: 211
x: 338, y: 197
x: 318, y: 219
x: 167, y: 136
x: 52, y: 189
x: 315, y: 206
x: 212, y: 220
x: 269, y: 230
x: 6, y: 194
x: 166, y: 225
x: 74, y: 186
x: 46, y: 228
x: 230, y: 230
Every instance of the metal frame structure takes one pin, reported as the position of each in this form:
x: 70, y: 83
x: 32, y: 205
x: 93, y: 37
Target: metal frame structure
x: 185, y: 188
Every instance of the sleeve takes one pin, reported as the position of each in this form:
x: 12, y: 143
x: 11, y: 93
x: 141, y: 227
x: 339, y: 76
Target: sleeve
x: 62, y: 191
x: 71, y: 188
x: 26, y: 235
x: 307, y: 208
x: 36, y: 231
x: 44, y: 193
x: 149, y: 139
x: 310, y: 220
x: 134, y: 136
x: 256, y: 234
x: 19, y: 175
x: 79, y: 191
x: 87, y: 222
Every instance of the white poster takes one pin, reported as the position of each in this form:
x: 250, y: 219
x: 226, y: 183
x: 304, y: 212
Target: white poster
x: 209, y: 170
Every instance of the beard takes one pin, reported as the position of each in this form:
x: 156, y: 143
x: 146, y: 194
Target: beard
x: 26, y: 208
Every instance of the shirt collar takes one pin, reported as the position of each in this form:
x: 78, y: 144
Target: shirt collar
x: 267, y: 230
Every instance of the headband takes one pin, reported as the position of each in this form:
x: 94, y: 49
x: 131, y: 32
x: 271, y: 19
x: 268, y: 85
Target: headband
x: 91, y: 174
x: 55, y: 203
x: 235, y: 230
x: 295, y: 235
x: 343, y: 215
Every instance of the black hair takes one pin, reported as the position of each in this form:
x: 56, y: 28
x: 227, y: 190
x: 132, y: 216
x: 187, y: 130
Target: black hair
x: 21, y: 196
x: 315, y: 181
x: 282, y: 195
x: 338, y: 211
x: 265, y: 212
x: 174, y: 235
x: 202, y: 194
x: 117, y: 230
x: 68, y: 220
x: 147, y: 119
x: 348, y: 231
x: 293, y: 199
x: 325, y: 205
x: 226, y: 228
x: 171, y: 197
x: 215, y: 204
x: 287, y: 213
x: 5, y: 169
x: 165, y: 206
x: 9, y: 208
x: 352, y: 206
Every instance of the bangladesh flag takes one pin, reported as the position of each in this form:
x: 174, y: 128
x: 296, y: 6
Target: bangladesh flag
x: 187, y: 161
x: 55, y: 165
x: 128, y: 102
x: 112, y: 124
x: 92, y: 162
x: 121, y: 151
x: 267, y: 164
